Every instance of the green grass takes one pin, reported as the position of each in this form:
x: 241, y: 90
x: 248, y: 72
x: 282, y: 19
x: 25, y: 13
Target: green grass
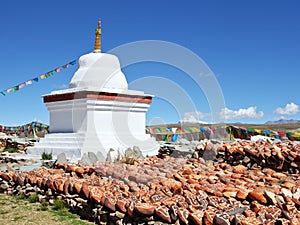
x: 34, y: 198
x: 4, y: 212
x: 58, y: 205
x: 19, y: 197
x: 18, y: 210
x: 18, y: 218
x: 46, y: 156
x: 11, y: 150
x: 44, y: 206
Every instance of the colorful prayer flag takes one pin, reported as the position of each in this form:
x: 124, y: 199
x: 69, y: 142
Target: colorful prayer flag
x: 9, y: 90
x: 28, y: 82
x: 50, y: 73
x: 73, y: 62
x: 21, y: 85
x: 57, y: 70
x: 16, y: 88
x: 43, y: 76
x: 36, y: 79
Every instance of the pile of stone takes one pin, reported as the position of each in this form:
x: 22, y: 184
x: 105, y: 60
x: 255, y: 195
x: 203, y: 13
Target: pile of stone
x: 166, y: 190
x: 280, y: 156
x: 20, y: 144
x: 170, y: 150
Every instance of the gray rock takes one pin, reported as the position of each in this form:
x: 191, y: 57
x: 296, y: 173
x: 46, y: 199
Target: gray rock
x: 81, y: 200
x: 195, y: 155
x: 4, y: 186
x: 280, y: 199
x: 286, y: 192
x: 221, y: 219
x: 61, y: 158
x: 49, y: 192
x: 41, y: 198
x: 129, y: 153
x: 296, y: 195
x: 111, y: 155
x: 100, y: 156
x: 271, y: 197
x: 86, y: 160
x: 73, y: 203
x: 120, y: 215
x: 138, y: 152
x: 29, y: 189
x: 92, y: 156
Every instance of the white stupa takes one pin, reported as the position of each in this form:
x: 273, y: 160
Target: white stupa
x: 97, y: 112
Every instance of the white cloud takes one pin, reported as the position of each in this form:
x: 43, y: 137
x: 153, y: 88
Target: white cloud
x: 241, y: 113
x: 194, y: 117
x: 289, y: 109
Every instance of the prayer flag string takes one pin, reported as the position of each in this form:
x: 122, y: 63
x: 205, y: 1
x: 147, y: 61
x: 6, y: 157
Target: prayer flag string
x: 36, y: 79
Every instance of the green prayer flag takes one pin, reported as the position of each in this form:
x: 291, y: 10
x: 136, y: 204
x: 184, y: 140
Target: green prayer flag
x: 50, y: 73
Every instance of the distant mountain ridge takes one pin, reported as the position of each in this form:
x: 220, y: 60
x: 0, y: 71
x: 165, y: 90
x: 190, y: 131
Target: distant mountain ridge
x: 283, y: 121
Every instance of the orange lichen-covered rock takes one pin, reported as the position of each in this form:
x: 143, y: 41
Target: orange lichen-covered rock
x: 183, y: 215
x: 66, y: 186
x: 57, y: 183
x: 20, y: 179
x: 121, y: 204
x: 79, y: 170
x: 250, y: 221
x: 96, y: 193
x: 5, y: 176
x: 258, y: 196
x: 145, y: 209
x: 239, y: 169
x: 209, y: 215
x: 249, y: 213
x: 196, y: 217
x: 130, y: 208
x: 85, y: 190
x: 32, y: 179
x: 110, y: 203
x: 294, y: 221
x: 49, y: 184
x: 242, y: 194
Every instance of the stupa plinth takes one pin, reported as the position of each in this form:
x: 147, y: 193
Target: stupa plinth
x: 97, y: 112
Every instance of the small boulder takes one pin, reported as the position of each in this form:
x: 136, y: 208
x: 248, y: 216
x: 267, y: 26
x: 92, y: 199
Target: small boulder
x: 61, y: 158
x: 92, y: 156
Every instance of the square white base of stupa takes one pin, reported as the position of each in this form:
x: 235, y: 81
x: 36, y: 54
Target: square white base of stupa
x: 85, y: 121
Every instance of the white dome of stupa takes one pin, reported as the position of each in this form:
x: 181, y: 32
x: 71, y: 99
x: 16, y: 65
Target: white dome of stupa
x: 99, y: 71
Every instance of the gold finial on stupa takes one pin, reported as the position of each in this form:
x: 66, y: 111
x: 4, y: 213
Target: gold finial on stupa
x: 97, y: 47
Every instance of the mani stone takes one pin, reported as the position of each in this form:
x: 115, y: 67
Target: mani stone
x: 61, y: 158
x: 92, y: 156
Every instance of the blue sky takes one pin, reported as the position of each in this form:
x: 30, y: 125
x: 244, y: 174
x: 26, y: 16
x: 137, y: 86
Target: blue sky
x: 252, y: 47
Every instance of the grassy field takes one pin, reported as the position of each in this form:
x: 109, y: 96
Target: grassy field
x: 17, y: 210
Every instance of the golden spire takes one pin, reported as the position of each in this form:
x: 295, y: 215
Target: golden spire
x: 97, y: 47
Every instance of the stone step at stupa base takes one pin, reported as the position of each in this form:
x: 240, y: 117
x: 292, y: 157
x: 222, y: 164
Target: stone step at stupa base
x: 58, y: 137
x: 70, y: 152
x: 75, y: 145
